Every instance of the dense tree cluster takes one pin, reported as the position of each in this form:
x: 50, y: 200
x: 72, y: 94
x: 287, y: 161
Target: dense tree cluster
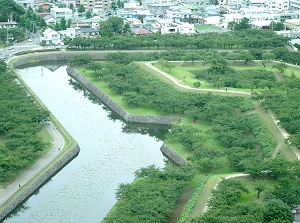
x: 20, y: 120
x: 240, y: 39
x: 232, y: 128
x: 224, y: 206
x: 153, y: 195
x: 220, y: 74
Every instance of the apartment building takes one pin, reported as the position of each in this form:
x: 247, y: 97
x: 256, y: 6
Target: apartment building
x: 295, y: 4
x: 277, y: 5
x: 91, y: 5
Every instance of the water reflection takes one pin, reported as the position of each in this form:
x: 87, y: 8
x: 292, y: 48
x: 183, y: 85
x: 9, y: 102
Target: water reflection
x: 111, y: 151
x: 153, y: 130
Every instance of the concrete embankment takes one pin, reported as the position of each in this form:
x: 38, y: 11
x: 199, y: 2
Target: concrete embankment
x: 38, y: 181
x: 152, y: 119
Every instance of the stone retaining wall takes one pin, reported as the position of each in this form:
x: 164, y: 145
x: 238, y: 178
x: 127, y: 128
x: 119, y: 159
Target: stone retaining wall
x: 53, y: 56
x: 172, y: 155
x: 54, y: 168
x: 153, y: 119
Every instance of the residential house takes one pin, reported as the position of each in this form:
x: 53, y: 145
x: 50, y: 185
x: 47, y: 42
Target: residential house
x: 50, y: 36
x: 167, y: 26
x: 45, y: 6
x: 89, y: 32
x: 140, y: 31
x: 70, y: 33
x: 132, y: 4
x: 9, y: 25
x: 26, y: 3
x: 296, y: 213
x: 59, y: 13
x: 50, y: 20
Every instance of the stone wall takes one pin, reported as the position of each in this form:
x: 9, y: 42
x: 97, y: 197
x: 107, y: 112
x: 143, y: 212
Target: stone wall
x: 172, y: 155
x: 44, y: 176
x: 28, y: 59
x: 155, y: 119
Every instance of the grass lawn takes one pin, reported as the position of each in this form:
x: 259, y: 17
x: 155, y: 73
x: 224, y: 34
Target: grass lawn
x: 206, y: 27
x: 248, y: 182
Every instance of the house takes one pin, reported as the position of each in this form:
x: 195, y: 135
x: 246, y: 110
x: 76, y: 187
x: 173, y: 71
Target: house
x: 45, y: 6
x: 25, y: 3
x: 70, y: 33
x: 296, y: 213
x: 49, y: 20
x: 140, y: 31
x: 89, y: 32
x: 50, y: 36
x: 9, y: 25
x: 59, y: 13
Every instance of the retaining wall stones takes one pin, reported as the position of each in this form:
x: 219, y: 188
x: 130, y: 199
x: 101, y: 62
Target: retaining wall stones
x: 54, y: 56
x: 155, y: 119
x: 172, y: 155
x: 54, y: 168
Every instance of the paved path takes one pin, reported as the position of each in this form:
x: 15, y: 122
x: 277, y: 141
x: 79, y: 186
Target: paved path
x: 180, y: 84
x: 57, y: 144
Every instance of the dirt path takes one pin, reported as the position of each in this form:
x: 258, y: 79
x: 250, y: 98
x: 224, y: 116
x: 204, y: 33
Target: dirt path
x: 57, y: 144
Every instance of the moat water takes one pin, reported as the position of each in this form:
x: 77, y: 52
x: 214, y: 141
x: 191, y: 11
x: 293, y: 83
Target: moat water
x: 111, y: 151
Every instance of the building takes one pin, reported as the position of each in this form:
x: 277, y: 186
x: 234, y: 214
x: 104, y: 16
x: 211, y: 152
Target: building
x: 50, y: 36
x: 295, y: 4
x: 89, y: 32
x: 277, y: 5
x: 26, y: 3
x: 50, y: 20
x: 70, y: 33
x: 9, y: 25
x: 92, y: 5
x: 59, y: 13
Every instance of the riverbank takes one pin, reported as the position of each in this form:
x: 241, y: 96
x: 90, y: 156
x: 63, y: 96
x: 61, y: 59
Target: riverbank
x: 64, y: 149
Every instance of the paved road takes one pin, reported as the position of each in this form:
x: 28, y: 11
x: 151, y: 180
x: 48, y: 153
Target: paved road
x: 57, y: 144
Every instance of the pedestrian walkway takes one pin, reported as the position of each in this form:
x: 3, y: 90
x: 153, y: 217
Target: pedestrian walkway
x: 57, y: 144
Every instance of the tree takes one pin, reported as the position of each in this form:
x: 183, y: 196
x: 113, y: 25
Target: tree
x: 71, y: 6
x: 113, y: 5
x: 192, y: 56
x: 81, y: 9
x: 280, y: 66
x: 197, y: 84
x: 40, y: 9
x: 259, y: 187
x: 169, y: 65
x: 112, y: 26
x: 88, y: 14
x: 275, y: 209
x: 94, y: 66
x: 3, y: 66
x: 63, y: 23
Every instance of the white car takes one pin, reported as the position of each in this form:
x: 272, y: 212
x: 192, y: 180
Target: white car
x: 29, y: 40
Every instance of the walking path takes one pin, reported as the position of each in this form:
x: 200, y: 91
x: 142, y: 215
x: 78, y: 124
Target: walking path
x: 180, y: 84
x: 241, y: 93
x: 57, y: 144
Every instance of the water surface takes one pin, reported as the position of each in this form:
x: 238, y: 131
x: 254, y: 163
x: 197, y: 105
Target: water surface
x: 111, y: 151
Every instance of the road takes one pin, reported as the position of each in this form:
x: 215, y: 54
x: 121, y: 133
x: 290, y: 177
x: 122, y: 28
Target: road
x: 57, y: 145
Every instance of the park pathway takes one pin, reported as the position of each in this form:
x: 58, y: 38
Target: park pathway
x: 57, y: 145
x: 229, y: 92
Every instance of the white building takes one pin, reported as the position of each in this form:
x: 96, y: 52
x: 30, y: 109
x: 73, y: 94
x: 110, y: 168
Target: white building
x: 167, y: 26
x: 50, y: 20
x: 132, y: 5
x: 277, y: 5
x: 50, y: 36
x: 295, y: 4
x: 68, y: 33
x: 59, y: 13
x: 94, y: 5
